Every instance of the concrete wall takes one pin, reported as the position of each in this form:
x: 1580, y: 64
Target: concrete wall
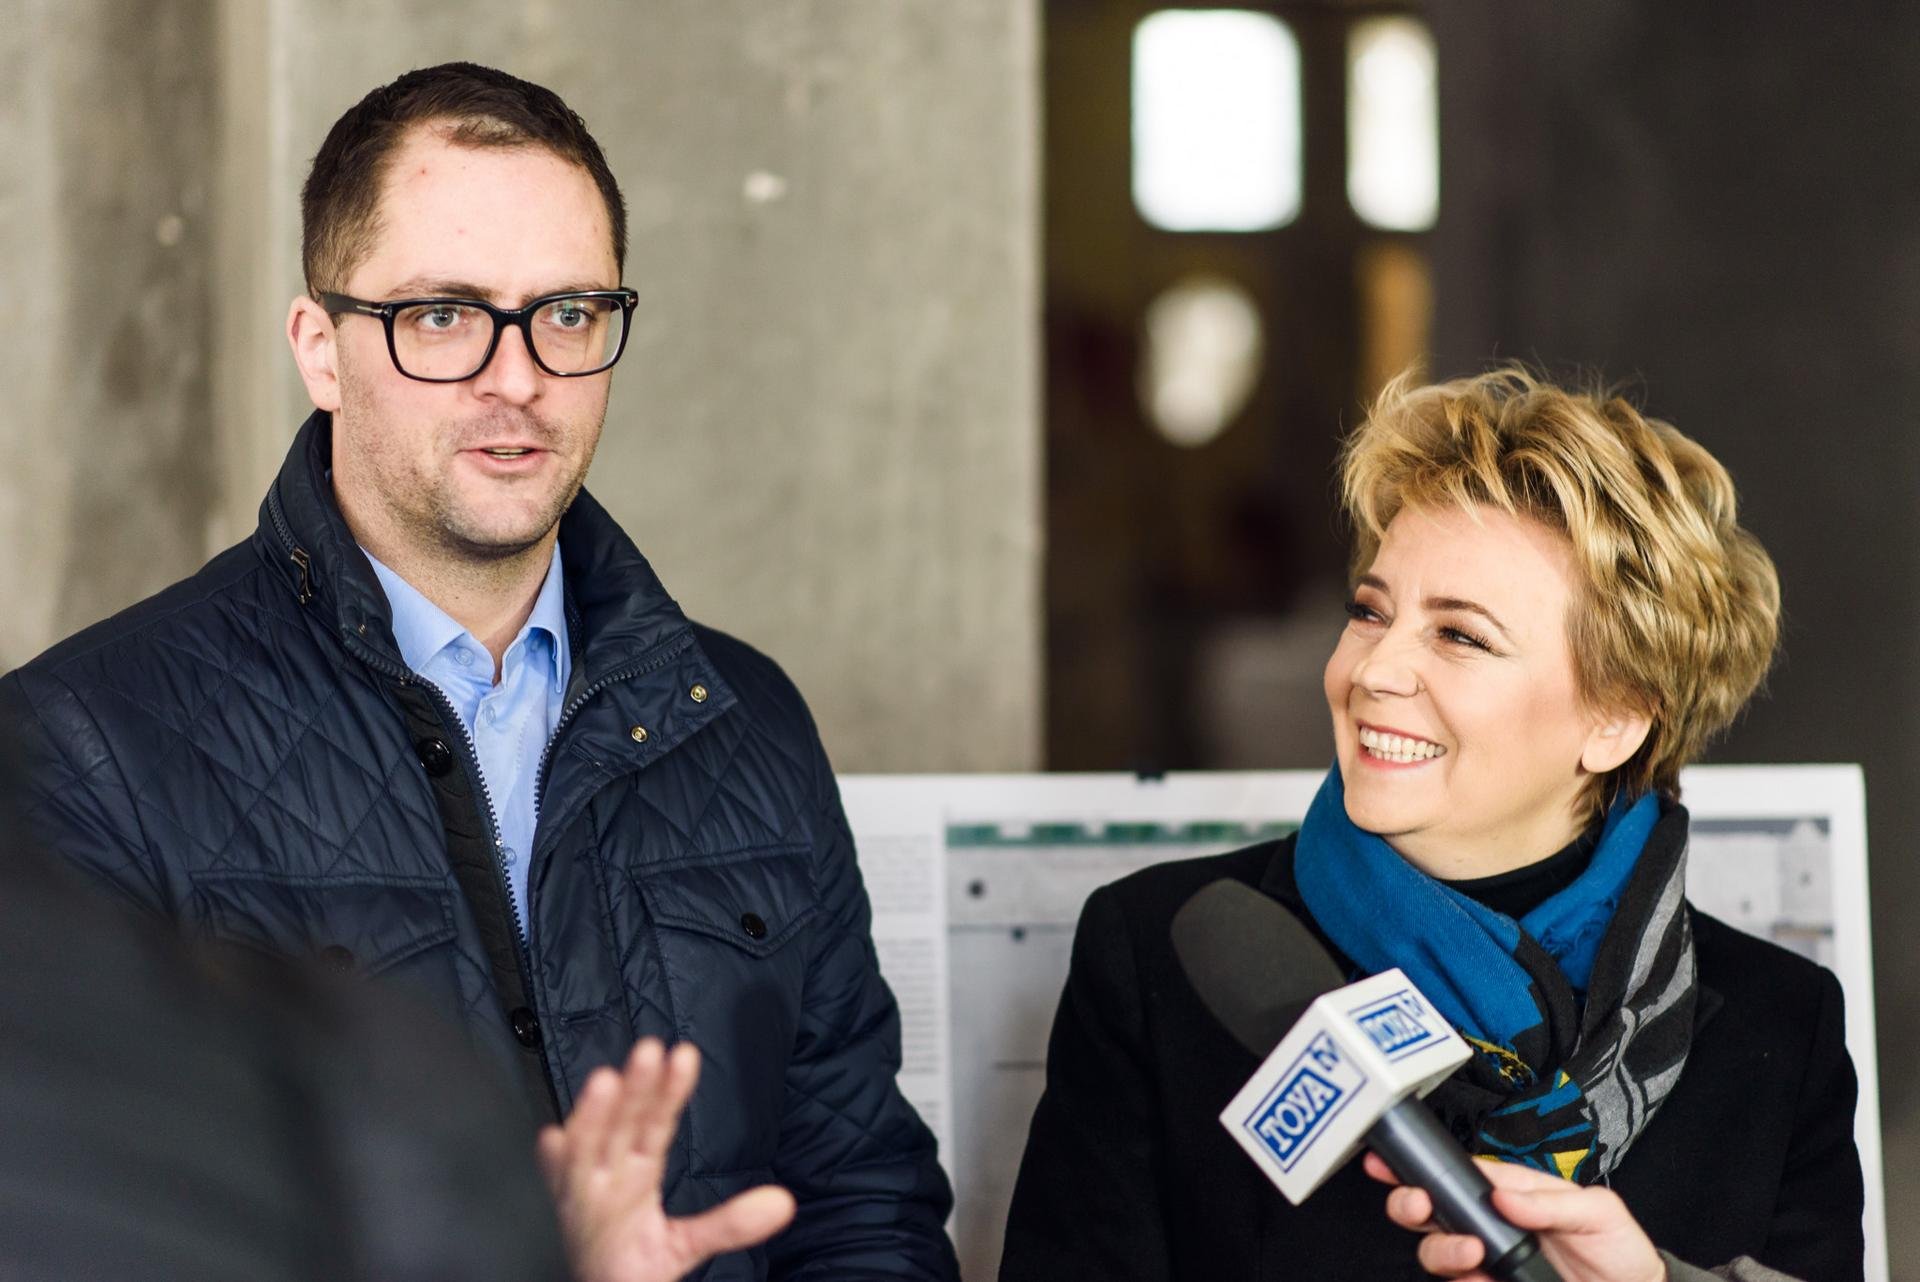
x: 1720, y: 207
x: 104, y: 292
x: 824, y: 432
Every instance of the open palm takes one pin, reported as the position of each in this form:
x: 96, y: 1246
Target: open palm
x: 607, y: 1162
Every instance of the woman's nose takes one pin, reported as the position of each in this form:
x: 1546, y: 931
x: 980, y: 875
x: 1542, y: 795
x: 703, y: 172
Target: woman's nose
x: 1388, y: 669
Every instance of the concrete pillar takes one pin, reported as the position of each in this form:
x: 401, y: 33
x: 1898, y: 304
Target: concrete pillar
x: 825, y: 429
x: 104, y: 245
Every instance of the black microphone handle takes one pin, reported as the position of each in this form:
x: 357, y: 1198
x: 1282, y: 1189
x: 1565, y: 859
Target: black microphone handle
x: 1423, y: 1153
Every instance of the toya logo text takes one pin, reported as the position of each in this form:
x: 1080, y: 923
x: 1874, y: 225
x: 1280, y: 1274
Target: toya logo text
x: 1397, y: 1024
x: 1315, y: 1087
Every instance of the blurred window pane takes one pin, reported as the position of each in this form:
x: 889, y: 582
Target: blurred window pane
x: 1202, y: 358
x: 1393, y: 130
x: 1216, y: 120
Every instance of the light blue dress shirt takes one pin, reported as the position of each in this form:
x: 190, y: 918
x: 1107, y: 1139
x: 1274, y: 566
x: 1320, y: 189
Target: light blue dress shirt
x: 510, y: 723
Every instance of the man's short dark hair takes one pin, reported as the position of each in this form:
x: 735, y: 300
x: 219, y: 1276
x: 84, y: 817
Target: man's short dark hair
x: 479, y: 107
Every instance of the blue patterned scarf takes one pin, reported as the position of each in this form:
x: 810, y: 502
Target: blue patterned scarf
x: 1581, y: 1011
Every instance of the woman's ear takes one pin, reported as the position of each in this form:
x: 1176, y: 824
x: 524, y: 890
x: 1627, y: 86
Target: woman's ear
x: 311, y: 335
x: 1612, y: 741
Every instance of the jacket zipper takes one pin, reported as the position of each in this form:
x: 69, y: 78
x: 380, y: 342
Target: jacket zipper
x: 574, y: 705
x: 295, y: 553
x: 471, y: 763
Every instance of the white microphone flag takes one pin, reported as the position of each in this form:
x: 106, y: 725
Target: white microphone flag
x: 1357, y: 1052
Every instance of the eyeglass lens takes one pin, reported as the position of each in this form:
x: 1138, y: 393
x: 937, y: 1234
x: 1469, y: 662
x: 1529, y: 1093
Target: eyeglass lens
x: 447, y: 340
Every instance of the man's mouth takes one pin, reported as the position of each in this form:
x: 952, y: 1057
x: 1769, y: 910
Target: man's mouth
x: 506, y: 451
x: 1398, y: 747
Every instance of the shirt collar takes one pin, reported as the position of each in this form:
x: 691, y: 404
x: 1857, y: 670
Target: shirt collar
x: 422, y: 629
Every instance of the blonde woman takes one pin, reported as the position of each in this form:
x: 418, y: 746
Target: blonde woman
x: 1554, y: 609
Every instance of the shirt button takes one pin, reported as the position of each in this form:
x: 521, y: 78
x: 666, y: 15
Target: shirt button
x: 463, y: 657
x: 509, y: 854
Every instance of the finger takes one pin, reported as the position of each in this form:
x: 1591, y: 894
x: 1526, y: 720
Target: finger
x: 587, y: 1125
x: 551, y: 1150
x: 638, y: 1084
x: 744, y: 1220
x: 661, y: 1118
x: 1512, y: 1175
x: 1377, y: 1167
x: 1571, y: 1208
x: 1411, y: 1208
x: 1451, y: 1255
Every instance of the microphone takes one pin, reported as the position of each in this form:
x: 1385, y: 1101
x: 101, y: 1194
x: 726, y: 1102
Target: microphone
x: 1351, y: 1064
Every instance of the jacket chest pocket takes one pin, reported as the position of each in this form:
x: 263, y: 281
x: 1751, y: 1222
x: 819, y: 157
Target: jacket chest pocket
x: 754, y: 901
x: 396, y: 929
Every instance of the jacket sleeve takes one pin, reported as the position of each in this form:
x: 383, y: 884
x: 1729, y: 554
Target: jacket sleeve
x: 873, y: 1202
x: 1087, y: 1201
x: 1742, y: 1269
x: 1816, y: 1229
x: 62, y: 789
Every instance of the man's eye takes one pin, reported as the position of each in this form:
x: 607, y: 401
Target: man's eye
x: 576, y: 315
x: 441, y: 318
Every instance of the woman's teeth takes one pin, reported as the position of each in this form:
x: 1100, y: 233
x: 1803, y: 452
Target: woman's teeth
x: 1394, y: 747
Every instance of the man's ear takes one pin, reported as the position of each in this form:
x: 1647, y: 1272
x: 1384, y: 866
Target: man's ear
x: 1613, y: 739
x: 311, y: 334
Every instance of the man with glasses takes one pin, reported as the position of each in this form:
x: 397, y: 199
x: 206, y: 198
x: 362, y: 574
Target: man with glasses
x: 438, y: 721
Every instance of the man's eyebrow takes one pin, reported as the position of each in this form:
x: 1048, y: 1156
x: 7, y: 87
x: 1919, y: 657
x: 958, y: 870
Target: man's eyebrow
x: 448, y: 287
x: 1379, y: 584
x: 440, y: 287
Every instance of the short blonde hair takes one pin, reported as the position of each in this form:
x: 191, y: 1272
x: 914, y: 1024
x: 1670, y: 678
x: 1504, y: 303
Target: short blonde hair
x: 1677, y: 608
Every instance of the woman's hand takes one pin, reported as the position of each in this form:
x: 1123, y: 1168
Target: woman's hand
x: 605, y: 1166
x: 1586, y: 1231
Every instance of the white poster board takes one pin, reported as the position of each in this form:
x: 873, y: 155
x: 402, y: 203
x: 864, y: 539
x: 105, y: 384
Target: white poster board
x: 1005, y: 862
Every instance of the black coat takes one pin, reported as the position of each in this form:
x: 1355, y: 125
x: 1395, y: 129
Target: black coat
x: 1130, y: 1177
x: 247, y: 754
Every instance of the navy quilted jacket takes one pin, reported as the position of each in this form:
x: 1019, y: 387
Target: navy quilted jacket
x: 247, y: 753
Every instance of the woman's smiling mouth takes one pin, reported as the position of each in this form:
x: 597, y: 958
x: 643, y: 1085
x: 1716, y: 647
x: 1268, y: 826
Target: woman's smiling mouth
x: 1401, y: 749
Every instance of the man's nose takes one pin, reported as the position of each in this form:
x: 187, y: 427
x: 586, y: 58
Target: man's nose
x: 511, y: 375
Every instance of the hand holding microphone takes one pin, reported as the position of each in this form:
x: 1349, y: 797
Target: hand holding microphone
x: 1351, y: 1064
x: 1589, y: 1232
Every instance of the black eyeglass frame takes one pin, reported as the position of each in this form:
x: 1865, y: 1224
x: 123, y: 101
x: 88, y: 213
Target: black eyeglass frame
x: 519, y: 317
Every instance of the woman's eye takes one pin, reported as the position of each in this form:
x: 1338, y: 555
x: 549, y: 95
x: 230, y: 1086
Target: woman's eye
x: 1459, y: 636
x: 1362, y: 613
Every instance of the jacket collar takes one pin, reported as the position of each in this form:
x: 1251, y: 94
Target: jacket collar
x: 617, y: 610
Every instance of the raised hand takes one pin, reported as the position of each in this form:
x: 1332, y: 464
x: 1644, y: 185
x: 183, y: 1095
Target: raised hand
x: 606, y: 1163
x: 1586, y: 1231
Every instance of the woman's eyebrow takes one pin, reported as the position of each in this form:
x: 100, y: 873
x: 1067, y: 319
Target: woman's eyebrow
x: 1470, y: 607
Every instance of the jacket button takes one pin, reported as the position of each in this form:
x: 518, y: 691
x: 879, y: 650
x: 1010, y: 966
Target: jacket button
x: 751, y: 923
x: 337, y: 958
x: 639, y: 734
x: 435, y: 757
x: 526, y: 1029
x: 699, y: 693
